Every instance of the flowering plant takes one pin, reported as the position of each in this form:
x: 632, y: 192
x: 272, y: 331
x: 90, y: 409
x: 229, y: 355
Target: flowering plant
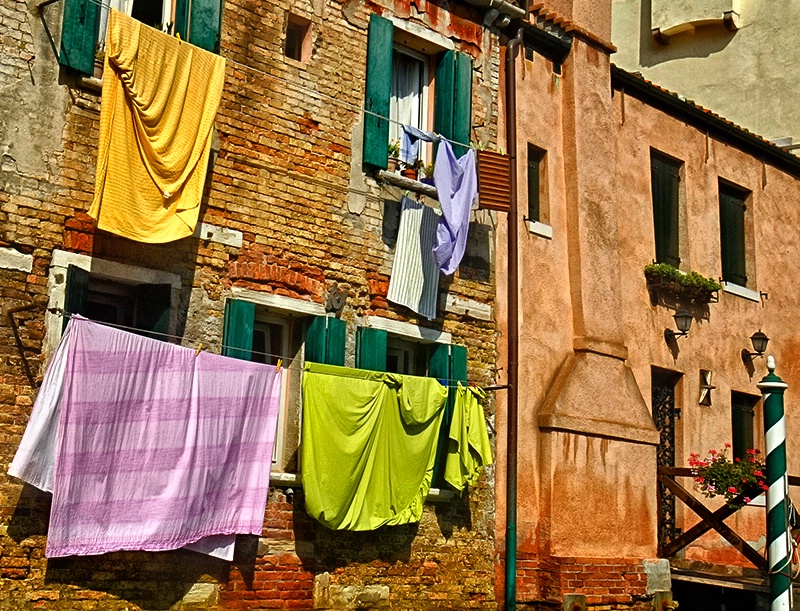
x: 716, y: 475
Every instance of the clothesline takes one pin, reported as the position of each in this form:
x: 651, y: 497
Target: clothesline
x: 311, y: 91
x: 287, y: 361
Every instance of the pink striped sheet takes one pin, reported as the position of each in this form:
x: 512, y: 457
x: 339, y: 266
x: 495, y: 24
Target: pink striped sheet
x: 158, y: 447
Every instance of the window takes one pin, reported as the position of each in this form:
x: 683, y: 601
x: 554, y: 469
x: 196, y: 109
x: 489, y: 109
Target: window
x: 83, y: 25
x: 732, y: 209
x: 536, y: 184
x: 267, y: 334
x: 665, y: 182
x: 742, y: 418
x: 378, y: 350
x: 398, y: 78
x: 298, y: 38
x: 140, y: 298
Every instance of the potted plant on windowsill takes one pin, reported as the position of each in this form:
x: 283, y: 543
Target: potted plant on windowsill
x: 394, y: 155
x: 686, y: 285
x: 427, y: 172
x: 411, y: 170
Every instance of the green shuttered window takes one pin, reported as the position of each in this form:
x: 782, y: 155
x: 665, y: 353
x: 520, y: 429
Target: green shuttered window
x: 144, y: 307
x: 79, y: 35
x: 732, y: 238
x: 197, y: 21
x: 452, y: 95
x: 237, y: 333
x: 665, y: 181
x: 742, y: 416
x: 445, y: 362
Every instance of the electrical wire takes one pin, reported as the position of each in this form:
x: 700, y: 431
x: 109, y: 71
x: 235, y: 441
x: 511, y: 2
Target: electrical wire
x: 294, y: 84
x: 287, y: 360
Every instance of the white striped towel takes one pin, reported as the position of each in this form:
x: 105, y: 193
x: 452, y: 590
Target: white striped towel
x: 415, y: 275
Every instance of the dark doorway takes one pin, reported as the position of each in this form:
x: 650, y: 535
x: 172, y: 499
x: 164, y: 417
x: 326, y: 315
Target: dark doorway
x: 702, y: 597
x: 663, y: 383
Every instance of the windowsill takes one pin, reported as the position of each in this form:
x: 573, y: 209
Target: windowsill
x: 407, y: 183
x: 740, y: 291
x: 540, y: 229
x: 294, y: 480
x: 91, y: 82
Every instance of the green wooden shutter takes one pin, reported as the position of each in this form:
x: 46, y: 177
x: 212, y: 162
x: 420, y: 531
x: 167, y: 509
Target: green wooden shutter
x: 534, y: 171
x: 665, y: 181
x: 181, y: 26
x: 325, y: 340
x: 337, y: 335
x: 153, y: 306
x: 75, y: 292
x: 237, y: 334
x: 378, y: 91
x: 446, y: 363
x: 205, y: 23
x: 731, y: 223
x: 444, y: 95
x: 371, y: 349
x: 462, y: 102
x: 79, y: 35
x: 742, y: 414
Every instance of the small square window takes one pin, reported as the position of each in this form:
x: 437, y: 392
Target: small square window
x: 298, y: 38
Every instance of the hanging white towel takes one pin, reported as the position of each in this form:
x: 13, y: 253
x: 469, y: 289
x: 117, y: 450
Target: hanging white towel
x: 415, y: 275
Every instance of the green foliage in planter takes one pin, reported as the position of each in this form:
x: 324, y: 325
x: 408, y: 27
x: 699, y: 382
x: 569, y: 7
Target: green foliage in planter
x: 691, y: 285
x: 717, y: 475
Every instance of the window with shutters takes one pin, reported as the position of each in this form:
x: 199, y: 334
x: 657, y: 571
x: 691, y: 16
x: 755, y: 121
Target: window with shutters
x: 538, y: 219
x: 414, y: 354
x: 733, y: 221
x: 83, y: 26
x: 743, y: 417
x: 285, y: 335
x: 413, y: 81
x: 141, y: 299
x: 665, y: 176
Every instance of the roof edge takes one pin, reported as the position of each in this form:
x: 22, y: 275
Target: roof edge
x: 703, y: 119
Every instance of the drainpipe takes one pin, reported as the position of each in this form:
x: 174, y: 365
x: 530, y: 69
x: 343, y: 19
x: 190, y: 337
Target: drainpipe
x: 512, y: 49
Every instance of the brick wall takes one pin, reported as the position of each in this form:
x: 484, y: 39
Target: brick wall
x: 606, y: 583
x: 283, y: 178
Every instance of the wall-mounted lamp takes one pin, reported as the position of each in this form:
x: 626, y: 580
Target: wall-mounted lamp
x: 759, y: 340
x: 683, y: 320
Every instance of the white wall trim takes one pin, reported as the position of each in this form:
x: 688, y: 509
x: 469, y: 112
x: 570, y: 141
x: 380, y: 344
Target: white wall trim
x: 741, y: 291
x: 540, y: 229
x: 290, y: 305
x: 422, y: 32
x: 465, y: 307
x: 220, y: 235
x: 407, y: 329
x: 13, y: 259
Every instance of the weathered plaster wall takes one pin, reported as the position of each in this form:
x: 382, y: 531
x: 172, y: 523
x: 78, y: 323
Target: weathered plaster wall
x: 281, y: 190
x: 749, y: 76
x: 590, y: 335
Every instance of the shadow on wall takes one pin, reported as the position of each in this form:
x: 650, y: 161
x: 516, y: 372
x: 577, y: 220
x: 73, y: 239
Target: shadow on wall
x: 702, y: 42
x: 154, y: 581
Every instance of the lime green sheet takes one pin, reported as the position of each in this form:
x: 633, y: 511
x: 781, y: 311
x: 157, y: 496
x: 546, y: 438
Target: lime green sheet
x: 369, y: 445
x: 469, y: 448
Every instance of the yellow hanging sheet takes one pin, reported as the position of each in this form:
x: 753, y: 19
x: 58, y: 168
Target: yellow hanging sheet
x: 469, y: 447
x: 160, y: 96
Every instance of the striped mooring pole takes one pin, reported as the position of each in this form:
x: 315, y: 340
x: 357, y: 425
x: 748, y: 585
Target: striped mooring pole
x: 779, y: 548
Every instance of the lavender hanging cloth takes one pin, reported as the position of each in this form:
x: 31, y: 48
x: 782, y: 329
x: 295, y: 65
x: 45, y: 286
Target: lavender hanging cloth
x: 409, y: 143
x: 158, y: 447
x: 457, y: 184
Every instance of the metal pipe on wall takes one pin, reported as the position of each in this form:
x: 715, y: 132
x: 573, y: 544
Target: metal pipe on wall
x: 512, y: 50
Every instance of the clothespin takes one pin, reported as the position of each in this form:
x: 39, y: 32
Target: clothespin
x: 199, y: 348
x: 278, y: 365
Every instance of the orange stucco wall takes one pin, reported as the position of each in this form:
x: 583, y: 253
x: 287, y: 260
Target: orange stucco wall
x: 590, y: 334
